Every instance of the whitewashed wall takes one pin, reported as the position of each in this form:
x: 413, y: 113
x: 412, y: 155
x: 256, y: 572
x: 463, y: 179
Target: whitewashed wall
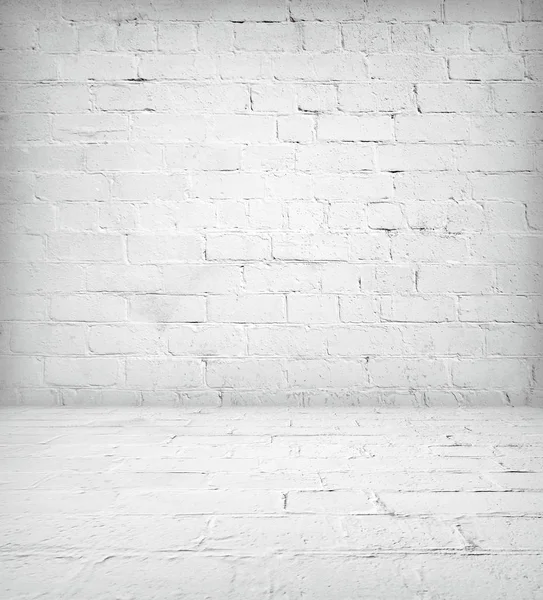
x: 281, y: 202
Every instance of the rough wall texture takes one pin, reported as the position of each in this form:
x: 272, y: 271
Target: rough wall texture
x: 271, y: 201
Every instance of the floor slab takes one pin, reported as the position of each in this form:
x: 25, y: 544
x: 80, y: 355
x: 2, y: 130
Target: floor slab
x: 274, y: 504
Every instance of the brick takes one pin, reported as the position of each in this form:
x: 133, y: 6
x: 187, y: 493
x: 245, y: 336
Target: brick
x: 495, y: 158
x: 410, y: 38
x: 396, y: 10
x: 442, y: 339
x: 277, y: 277
x: 534, y: 67
x: 271, y: 340
x: 321, y: 37
x: 176, y: 67
x: 384, y: 215
x: 514, y: 128
x: 295, y: 128
x: 43, y: 158
x: 354, y: 129
x: 123, y: 278
x: 90, y: 128
x: 207, y: 340
x: 504, y: 340
x: 243, y: 129
x: 182, y: 97
x: 515, y: 278
x: 227, y: 185
x: 459, y: 279
x: 215, y: 37
x: 57, y: 37
x: 149, y: 249
x: 505, y: 186
x: 325, y: 373
x: 168, y: 128
x: 202, y: 279
x: 42, y: 278
x: 458, y: 503
x: 366, y: 37
x: 21, y: 66
x: 369, y: 246
x: 393, y: 278
x: 347, y: 215
x: 101, y: 67
x: 320, y: 67
x: 503, y: 373
x: 148, y: 187
x: 18, y: 36
x: 123, y: 157
x: 488, y: 38
x: 88, y: 307
x: 518, y: 97
x: 18, y: 248
x: 45, y: 339
x: 309, y: 247
x: 435, y: 129
x: 308, y: 216
x: 126, y: 339
x: 333, y: 158
x: 268, y: 158
x: 407, y: 67
x: 161, y: 308
x: 236, y: 247
x: 506, y: 248
x: 82, y: 371
x: 68, y: 247
x: 307, y: 10
x: 268, y: 37
x: 15, y: 307
x: 203, y: 158
x: 454, y: 97
x: 349, y: 187
x: 483, y: 68
x: 78, y: 217
x: 96, y: 37
x: 448, y: 37
x: 358, y: 309
x: 402, y: 373
x: 117, y: 217
x: 507, y: 309
x: 483, y: 10
x: 163, y: 373
x: 418, y: 308
x: 413, y: 157
x: 23, y: 128
x: 312, y: 309
x: 376, y: 96
x: 364, y: 340
x: 138, y: 37
x: 411, y: 247
x: 345, y: 277
x: 245, y: 373
x: 520, y: 533
x: 249, y: 308
x: 525, y: 37
x: 245, y: 10
x: 72, y: 187
x: 48, y: 97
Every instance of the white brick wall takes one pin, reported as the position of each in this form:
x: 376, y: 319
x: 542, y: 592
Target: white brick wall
x: 282, y: 201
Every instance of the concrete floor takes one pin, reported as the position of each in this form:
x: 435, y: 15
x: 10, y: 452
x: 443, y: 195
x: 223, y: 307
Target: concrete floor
x: 247, y: 504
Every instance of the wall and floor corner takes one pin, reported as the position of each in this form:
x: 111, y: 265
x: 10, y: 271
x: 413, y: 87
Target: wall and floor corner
x: 298, y: 202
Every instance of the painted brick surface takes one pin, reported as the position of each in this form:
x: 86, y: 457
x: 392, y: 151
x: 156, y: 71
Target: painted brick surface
x: 285, y: 201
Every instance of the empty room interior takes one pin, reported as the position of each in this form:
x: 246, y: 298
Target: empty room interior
x: 271, y: 314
